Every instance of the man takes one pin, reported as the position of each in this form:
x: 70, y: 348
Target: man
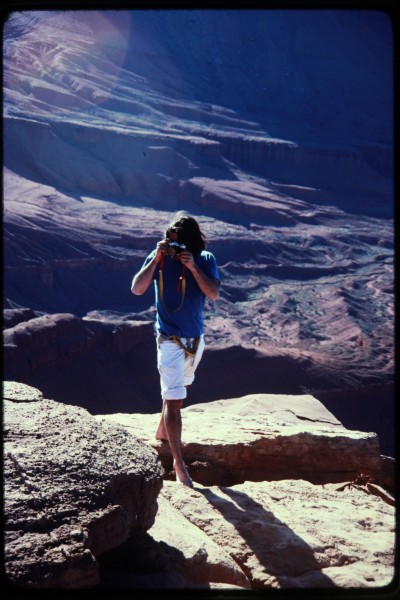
x: 184, y: 274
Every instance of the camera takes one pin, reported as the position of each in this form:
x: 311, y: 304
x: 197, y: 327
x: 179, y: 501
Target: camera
x: 174, y: 249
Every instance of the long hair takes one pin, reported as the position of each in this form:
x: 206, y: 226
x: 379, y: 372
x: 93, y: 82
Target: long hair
x: 188, y: 232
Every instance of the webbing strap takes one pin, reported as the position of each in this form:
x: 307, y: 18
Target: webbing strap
x: 188, y: 349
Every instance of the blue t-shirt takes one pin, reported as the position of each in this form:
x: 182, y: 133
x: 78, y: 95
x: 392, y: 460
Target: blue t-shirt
x: 188, y: 320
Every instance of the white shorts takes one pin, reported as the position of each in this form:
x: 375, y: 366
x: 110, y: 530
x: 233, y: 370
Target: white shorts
x: 176, y: 367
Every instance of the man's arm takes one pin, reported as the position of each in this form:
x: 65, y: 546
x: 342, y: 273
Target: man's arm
x: 144, y: 277
x: 208, y: 285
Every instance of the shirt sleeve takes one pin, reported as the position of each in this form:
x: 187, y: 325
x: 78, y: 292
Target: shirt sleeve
x: 210, y: 267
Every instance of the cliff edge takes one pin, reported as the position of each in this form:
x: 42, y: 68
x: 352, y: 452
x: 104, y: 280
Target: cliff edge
x: 284, y: 497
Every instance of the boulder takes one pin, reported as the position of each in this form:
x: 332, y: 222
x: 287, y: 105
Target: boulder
x: 74, y: 489
x: 263, y: 437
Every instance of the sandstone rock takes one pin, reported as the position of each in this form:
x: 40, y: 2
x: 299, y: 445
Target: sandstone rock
x: 263, y: 437
x: 20, y: 392
x: 294, y: 534
x: 74, y: 488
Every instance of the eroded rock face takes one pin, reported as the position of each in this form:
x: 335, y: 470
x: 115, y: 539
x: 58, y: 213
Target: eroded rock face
x: 48, y: 339
x: 64, y: 356
x: 305, y: 255
x: 263, y: 436
x: 74, y: 488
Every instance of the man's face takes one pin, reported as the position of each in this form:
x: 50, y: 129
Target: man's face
x: 172, y: 235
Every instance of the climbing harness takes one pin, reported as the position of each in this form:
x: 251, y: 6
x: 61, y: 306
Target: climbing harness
x: 190, y: 348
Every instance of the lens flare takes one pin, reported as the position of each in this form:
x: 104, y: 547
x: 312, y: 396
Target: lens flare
x: 70, y: 60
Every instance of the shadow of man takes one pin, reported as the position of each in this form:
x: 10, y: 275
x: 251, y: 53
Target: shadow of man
x: 275, y: 556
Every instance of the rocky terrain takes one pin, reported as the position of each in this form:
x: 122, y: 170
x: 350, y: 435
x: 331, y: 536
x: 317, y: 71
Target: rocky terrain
x: 282, y: 149
x: 88, y: 503
x: 274, y: 128
x: 108, y: 365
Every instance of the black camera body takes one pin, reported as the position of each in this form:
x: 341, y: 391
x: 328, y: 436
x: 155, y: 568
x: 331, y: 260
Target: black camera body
x: 174, y: 249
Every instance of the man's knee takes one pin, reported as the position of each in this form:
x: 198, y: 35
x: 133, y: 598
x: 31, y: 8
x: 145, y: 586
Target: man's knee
x: 173, y: 406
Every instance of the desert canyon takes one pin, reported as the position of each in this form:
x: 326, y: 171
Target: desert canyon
x: 274, y: 129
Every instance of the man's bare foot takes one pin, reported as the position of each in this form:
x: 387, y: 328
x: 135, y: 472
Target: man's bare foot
x: 161, y: 433
x: 182, y: 475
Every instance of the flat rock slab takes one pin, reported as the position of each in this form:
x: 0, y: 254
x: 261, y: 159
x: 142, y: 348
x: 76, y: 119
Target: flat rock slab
x: 74, y: 488
x: 260, y: 437
x: 290, y: 534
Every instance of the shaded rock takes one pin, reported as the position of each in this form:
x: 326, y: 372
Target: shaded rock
x: 49, y: 338
x: 74, y: 488
x: 294, y: 534
x: 263, y: 437
x: 203, y: 561
x: 143, y: 563
x: 173, y: 554
x: 41, y: 340
x: 387, y: 472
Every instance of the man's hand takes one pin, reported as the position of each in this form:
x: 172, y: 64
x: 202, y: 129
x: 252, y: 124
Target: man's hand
x: 187, y: 259
x: 208, y: 285
x: 161, y: 250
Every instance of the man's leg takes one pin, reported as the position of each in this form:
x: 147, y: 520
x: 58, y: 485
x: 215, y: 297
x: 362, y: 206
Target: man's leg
x: 161, y: 433
x: 170, y: 363
x: 177, y: 372
x: 173, y: 427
